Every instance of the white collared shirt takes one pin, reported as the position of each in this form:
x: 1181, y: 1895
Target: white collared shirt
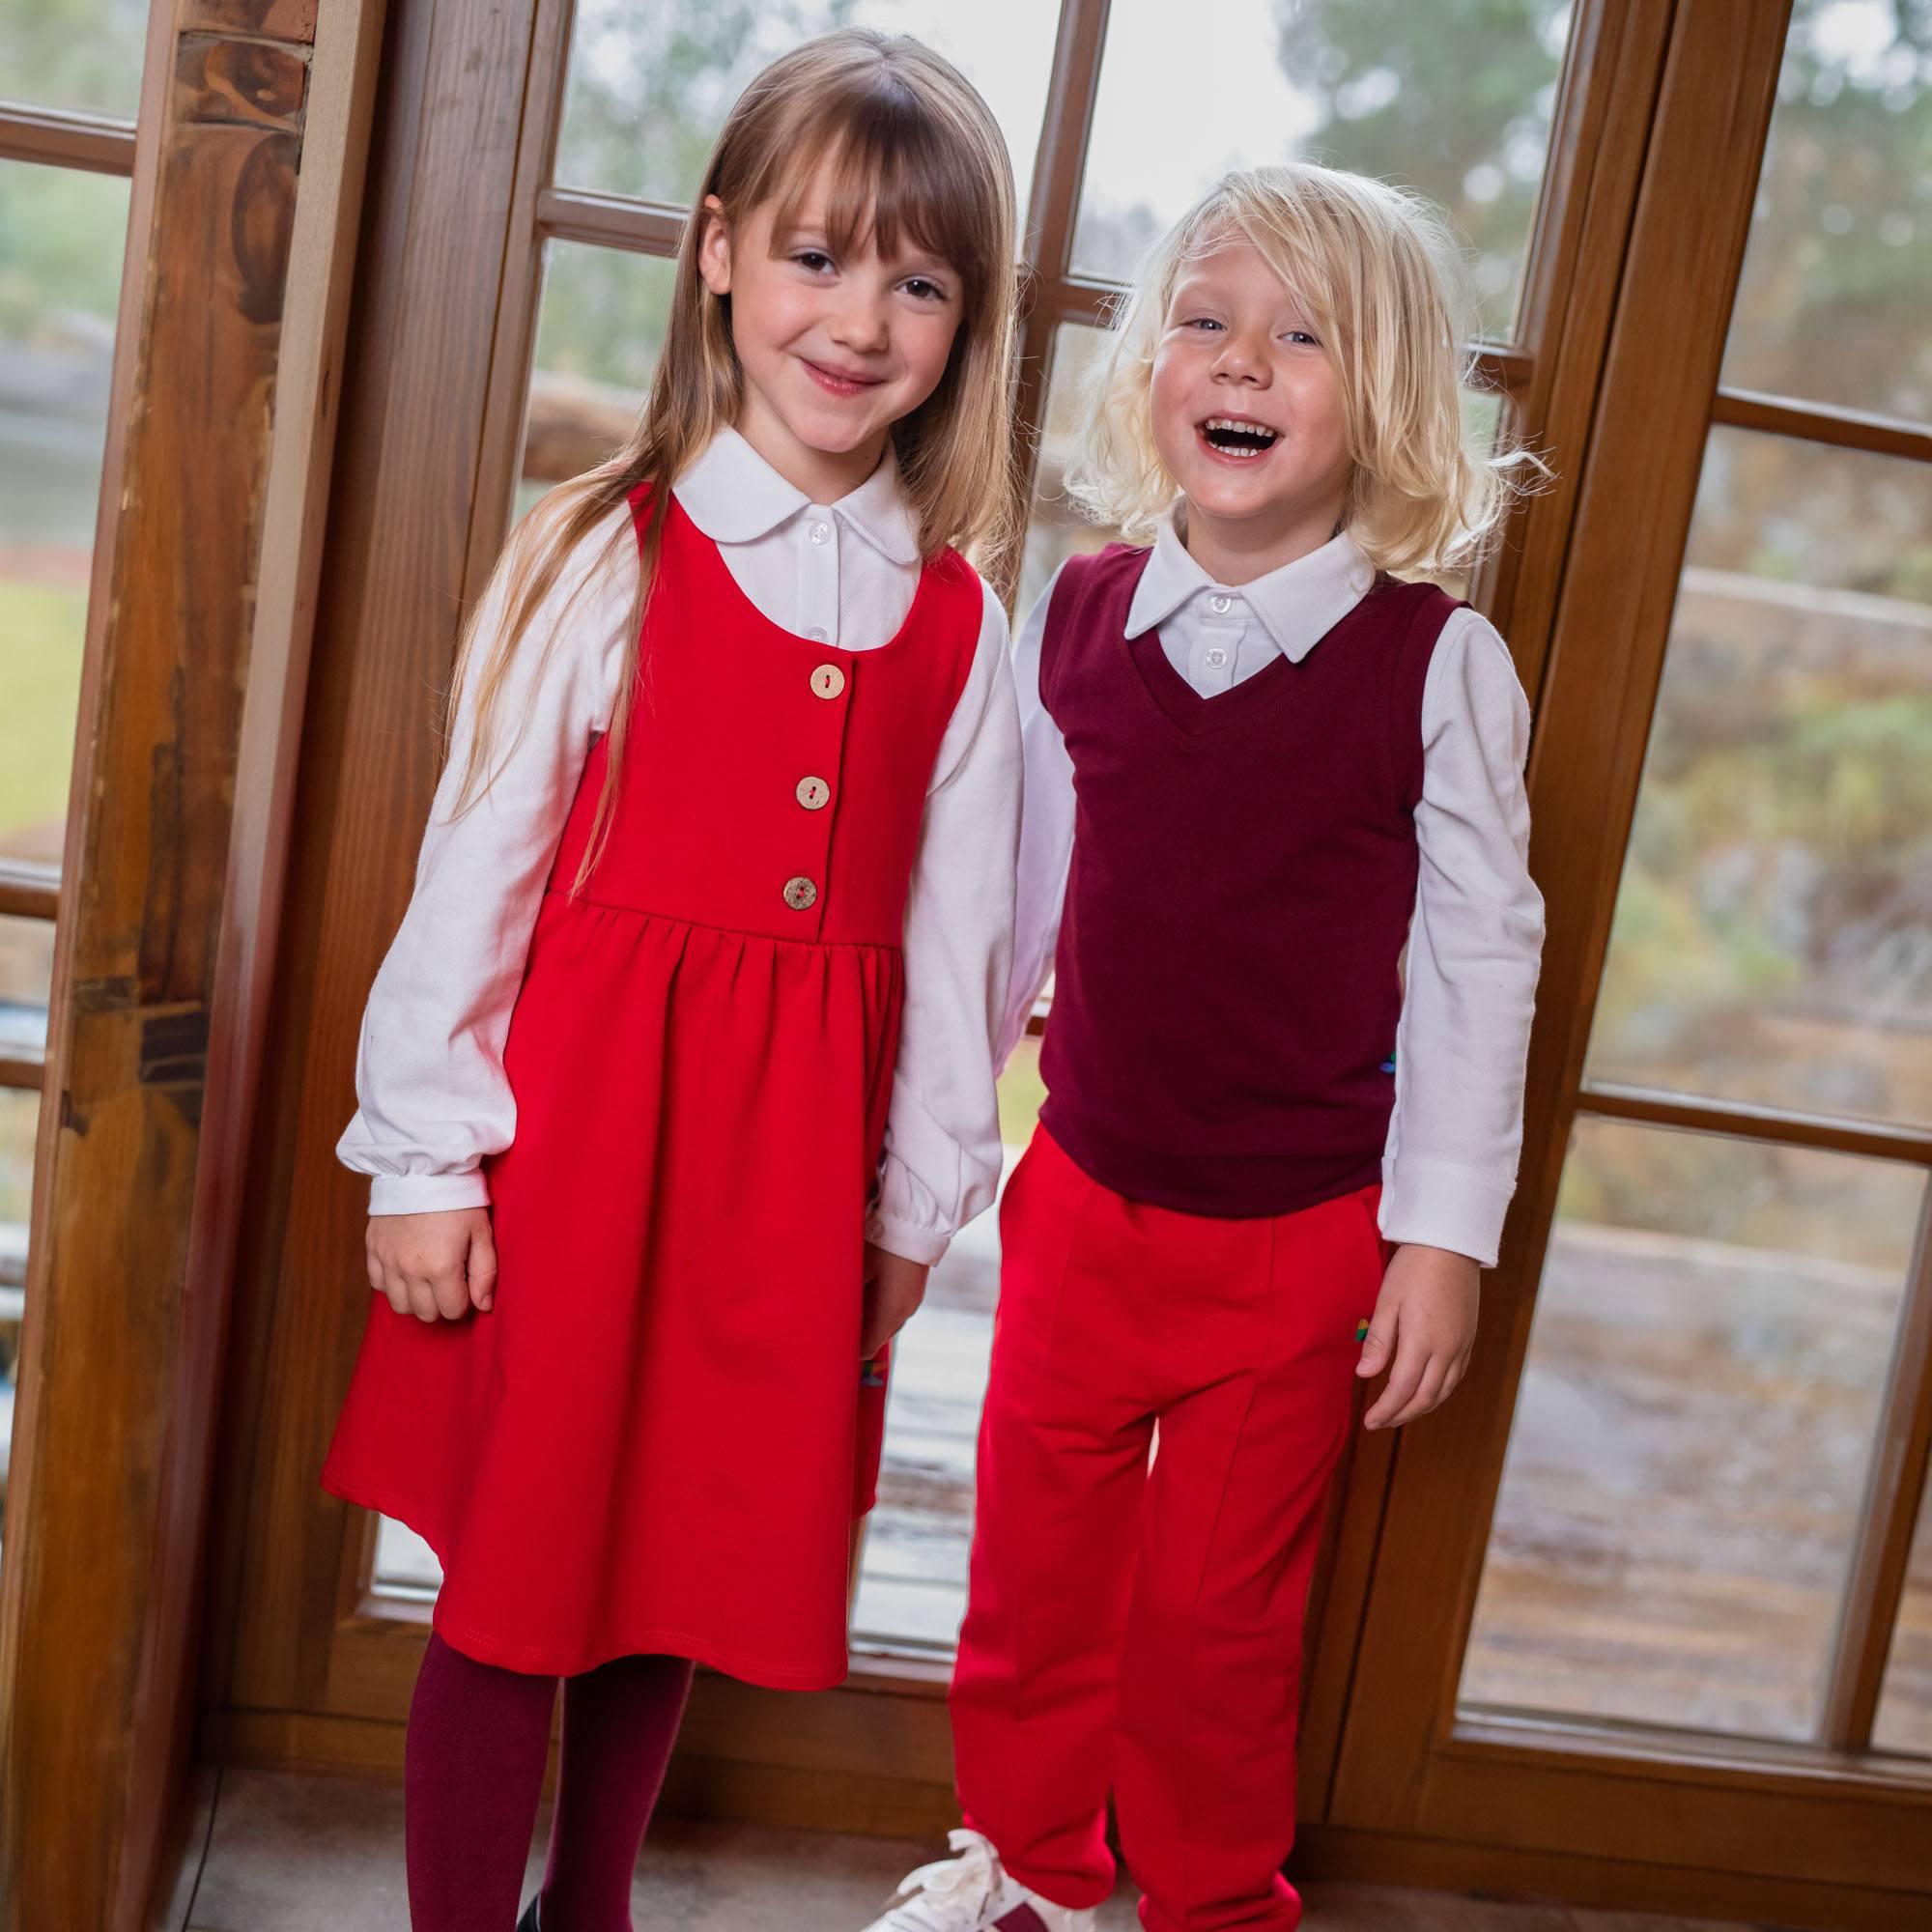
x: 1476, y: 940
x: 430, y: 1083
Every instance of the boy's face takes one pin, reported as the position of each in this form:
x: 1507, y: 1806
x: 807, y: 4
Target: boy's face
x: 1238, y: 349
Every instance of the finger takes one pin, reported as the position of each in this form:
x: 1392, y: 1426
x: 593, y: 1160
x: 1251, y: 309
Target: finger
x: 397, y: 1290
x: 1379, y: 1344
x: 422, y: 1296
x: 373, y: 1268
x: 482, y: 1269
x: 1405, y: 1379
x: 450, y: 1292
x: 1428, y: 1393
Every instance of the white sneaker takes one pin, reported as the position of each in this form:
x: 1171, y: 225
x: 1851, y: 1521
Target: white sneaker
x: 971, y: 1893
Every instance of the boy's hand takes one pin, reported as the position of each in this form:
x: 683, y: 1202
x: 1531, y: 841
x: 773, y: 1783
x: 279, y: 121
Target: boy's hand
x: 433, y: 1264
x: 1426, y: 1323
x: 894, y: 1287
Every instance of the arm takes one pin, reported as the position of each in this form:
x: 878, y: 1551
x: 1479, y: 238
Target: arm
x: 1047, y: 835
x: 1449, y: 1168
x: 429, y: 1077
x: 942, y: 1162
x: 1474, y: 951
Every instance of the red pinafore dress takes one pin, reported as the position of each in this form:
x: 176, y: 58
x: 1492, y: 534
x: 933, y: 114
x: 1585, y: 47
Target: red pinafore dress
x: 657, y: 1438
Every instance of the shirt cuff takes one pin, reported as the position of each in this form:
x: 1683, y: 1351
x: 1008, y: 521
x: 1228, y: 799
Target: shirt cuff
x: 907, y: 1239
x: 1436, y: 1204
x: 427, y: 1193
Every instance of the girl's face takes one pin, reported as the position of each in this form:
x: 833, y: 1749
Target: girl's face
x: 1248, y: 414
x: 834, y: 349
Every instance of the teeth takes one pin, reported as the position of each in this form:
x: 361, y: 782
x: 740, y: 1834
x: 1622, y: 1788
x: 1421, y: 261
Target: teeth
x: 1241, y: 423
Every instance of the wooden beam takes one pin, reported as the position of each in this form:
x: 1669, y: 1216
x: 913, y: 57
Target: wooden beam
x: 1745, y: 1121
x: 28, y: 891
x: 246, y: 179
x: 54, y: 138
x: 1823, y: 422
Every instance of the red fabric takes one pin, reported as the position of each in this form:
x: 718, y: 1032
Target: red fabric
x: 657, y: 1439
x: 1142, y: 1628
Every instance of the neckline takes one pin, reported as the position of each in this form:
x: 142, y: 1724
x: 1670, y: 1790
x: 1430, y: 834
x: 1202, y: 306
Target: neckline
x: 689, y: 532
x: 1185, y: 707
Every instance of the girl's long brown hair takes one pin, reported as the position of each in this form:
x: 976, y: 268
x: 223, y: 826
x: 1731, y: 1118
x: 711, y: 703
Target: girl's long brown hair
x: 911, y: 147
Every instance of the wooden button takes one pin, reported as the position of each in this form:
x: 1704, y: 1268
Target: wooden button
x: 814, y: 793
x: 828, y: 681
x: 800, y: 894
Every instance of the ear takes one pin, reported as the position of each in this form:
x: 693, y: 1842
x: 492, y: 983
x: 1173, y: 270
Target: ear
x: 714, y: 246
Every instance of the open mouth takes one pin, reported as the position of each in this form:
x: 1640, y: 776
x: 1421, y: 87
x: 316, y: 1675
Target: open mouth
x: 1239, y: 437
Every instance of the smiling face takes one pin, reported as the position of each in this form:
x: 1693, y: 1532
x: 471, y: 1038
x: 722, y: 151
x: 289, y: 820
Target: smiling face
x: 835, y: 349
x: 1248, y: 414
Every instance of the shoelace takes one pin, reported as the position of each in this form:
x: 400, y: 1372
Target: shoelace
x: 950, y: 1883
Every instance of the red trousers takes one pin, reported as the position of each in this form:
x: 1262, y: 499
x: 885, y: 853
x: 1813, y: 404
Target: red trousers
x: 1135, y: 1626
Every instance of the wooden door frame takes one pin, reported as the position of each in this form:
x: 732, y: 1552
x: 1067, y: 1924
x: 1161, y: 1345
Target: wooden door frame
x: 247, y: 179
x: 1760, y: 1827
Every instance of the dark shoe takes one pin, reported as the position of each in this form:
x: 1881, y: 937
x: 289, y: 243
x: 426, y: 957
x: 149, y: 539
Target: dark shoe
x: 529, y: 1922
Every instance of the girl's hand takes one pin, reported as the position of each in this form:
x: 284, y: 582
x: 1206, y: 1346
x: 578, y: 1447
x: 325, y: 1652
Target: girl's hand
x: 894, y: 1287
x: 1425, y: 1323
x: 433, y: 1264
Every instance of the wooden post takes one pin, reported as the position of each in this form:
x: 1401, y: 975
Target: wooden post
x: 247, y: 181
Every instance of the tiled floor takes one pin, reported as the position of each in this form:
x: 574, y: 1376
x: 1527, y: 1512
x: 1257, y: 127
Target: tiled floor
x: 298, y: 1854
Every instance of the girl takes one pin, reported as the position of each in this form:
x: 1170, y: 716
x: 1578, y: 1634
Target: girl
x: 679, y: 1073
x: 1257, y: 762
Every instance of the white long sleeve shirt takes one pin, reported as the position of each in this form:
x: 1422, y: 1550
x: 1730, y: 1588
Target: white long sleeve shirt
x: 433, y: 1097
x: 1476, y: 940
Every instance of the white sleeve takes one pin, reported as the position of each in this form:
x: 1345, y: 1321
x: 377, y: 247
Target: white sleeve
x: 1474, y: 950
x: 1047, y: 834
x: 432, y: 1096
x: 942, y: 1162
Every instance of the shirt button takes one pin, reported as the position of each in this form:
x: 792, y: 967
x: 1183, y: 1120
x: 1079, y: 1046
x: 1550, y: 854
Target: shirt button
x: 821, y: 533
x: 800, y: 894
x: 818, y: 633
x: 1220, y: 603
x: 828, y: 681
x: 813, y: 793
x: 1217, y: 657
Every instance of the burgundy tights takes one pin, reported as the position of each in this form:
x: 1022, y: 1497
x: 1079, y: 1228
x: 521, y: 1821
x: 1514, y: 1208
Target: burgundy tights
x: 478, y: 1739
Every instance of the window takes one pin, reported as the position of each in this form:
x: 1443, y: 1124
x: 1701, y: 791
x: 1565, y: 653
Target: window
x: 63, y: 223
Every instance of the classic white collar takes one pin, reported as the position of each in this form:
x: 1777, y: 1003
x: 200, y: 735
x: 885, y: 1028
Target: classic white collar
x: 1298, y: 605
x: 734, y: 495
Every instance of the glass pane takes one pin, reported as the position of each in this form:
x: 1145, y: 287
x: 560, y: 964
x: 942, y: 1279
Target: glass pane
x: 1454, y: 99
x: 61, y: 239
x: 1693, y: 1433
x: 26, y: 968
x: 652, y: 80
x: 912, y: 1585
x: 599, y: 328
x: 1839, y: 275
x: 1774, y: 928
x: 1904, y: 1721
x: 20, y: 1112
x: 1057, y: 528
x: 77, y: 54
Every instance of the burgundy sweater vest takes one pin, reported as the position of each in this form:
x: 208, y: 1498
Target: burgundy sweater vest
x: 1227, y: 987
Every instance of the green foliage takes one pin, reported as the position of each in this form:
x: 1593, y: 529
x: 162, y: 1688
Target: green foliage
x: 43, y: 629
x: 74, y: 53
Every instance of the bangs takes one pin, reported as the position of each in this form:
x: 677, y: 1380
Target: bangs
x: 894, y: 173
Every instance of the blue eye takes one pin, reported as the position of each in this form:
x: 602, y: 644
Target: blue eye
x: 1202, y: 321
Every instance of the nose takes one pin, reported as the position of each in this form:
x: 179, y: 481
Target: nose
x: 858, y: 321
x: 1243, y: 358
